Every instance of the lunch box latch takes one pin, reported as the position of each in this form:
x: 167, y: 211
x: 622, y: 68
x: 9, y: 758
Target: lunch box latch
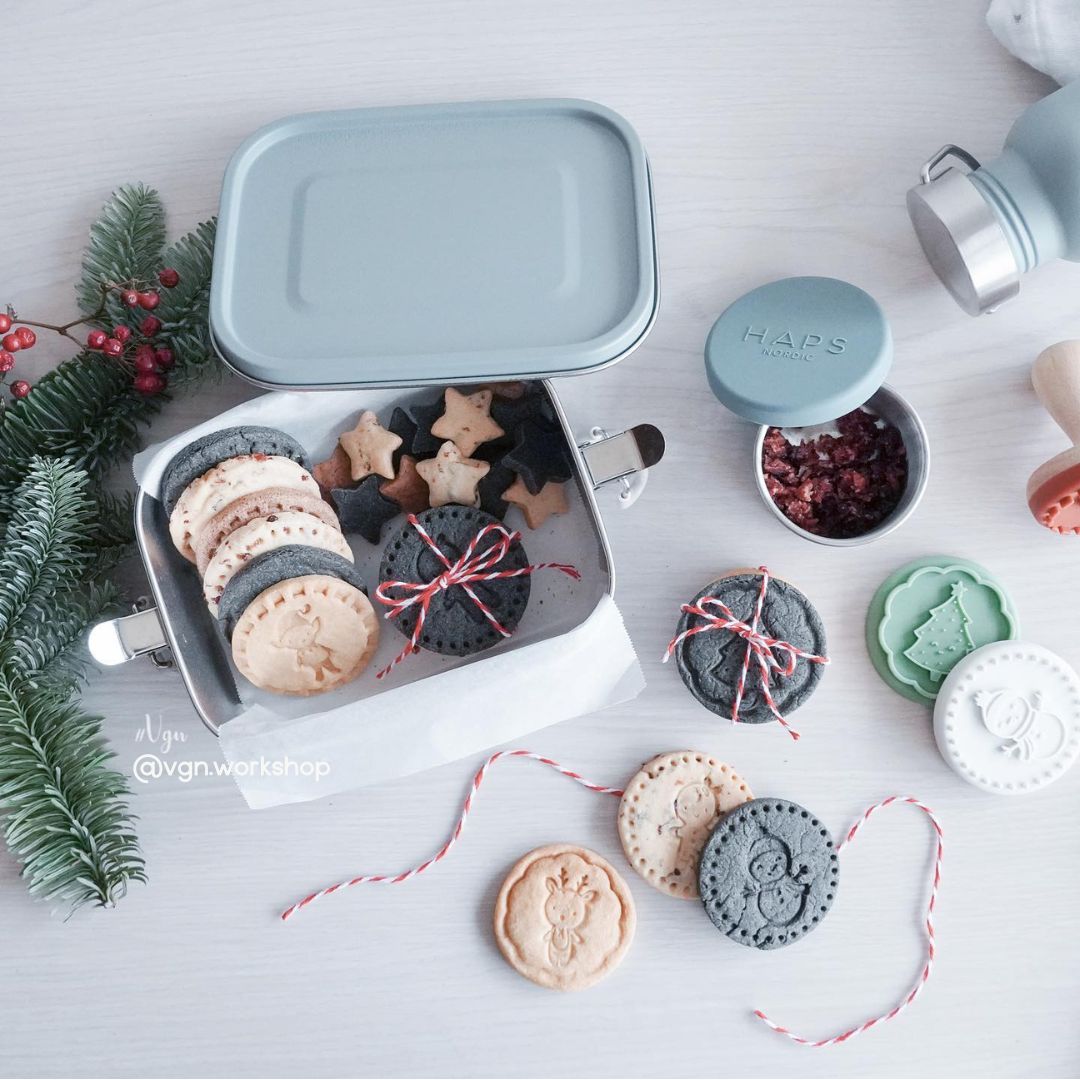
x: 626, y: 457
x: 138, y: 634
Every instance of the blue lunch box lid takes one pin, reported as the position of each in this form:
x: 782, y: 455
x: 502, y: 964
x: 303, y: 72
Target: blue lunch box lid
x: 799, y: 351
x: 434, y: 244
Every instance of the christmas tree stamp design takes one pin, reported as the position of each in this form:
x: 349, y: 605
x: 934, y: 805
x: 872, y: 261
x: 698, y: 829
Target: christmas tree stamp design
x: 928, y: 616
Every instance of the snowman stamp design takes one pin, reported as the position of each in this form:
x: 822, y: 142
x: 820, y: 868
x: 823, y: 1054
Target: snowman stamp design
x: 667, y: 812
x: 768, y: 874
x: 564, y: 918
x: 1008, y: 717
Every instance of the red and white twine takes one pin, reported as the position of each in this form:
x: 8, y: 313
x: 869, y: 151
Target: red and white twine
x: 759, y: 647
x: 459, y: 828
x: 474, y: 566
x: 924, y: 974
x: 455, y: 835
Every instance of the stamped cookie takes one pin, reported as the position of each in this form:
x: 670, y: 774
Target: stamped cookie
x: 768, y: 874
x: 305, y: 636
x: 930, y: 614
x: 454, y: 624
x: 198, y: 457
x: 668, y: 811
x: 258, y: 504
x: 215, y: 489
x: 711, y: 663
x: 563, y: 917
x: 293, y: 560
x: 1008, y: 717
x: 267, y: 534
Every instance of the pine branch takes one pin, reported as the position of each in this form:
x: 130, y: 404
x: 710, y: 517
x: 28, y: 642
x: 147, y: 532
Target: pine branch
x: 65, y: 818
x: 183, y: 309
x: 126, y: 243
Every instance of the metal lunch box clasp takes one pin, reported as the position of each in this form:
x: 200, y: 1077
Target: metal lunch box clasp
x: 138, y: 634
x: 625, y: 457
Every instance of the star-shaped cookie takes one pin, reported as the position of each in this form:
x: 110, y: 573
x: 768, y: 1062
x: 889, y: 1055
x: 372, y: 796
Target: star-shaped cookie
x: 466, y: 420
x: 370, y: 447
x: 451, y: 477
x: 408, y: 489
x: 551, y: 499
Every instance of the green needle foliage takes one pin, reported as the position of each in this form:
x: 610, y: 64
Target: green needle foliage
x: 63, y: 809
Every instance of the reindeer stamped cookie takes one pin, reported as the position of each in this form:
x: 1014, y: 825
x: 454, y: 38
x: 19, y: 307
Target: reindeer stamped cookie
x: 564, y: 917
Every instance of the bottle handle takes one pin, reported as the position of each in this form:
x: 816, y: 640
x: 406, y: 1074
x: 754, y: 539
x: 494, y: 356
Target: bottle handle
x: 928, y: 173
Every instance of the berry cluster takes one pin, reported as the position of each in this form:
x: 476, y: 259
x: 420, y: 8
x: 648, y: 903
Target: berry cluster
x: 131, y: 346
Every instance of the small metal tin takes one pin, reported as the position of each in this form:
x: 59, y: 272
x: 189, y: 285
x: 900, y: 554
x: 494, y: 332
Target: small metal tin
x: 889, y: 405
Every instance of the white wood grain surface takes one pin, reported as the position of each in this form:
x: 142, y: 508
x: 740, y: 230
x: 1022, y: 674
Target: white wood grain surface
x: 783, y: 136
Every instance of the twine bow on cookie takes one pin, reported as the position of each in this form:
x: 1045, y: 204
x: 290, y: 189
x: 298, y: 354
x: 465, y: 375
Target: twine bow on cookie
x: 771, y: 654
x: 474, y: 566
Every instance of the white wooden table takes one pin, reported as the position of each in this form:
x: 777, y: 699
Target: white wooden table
x: 782, y: 137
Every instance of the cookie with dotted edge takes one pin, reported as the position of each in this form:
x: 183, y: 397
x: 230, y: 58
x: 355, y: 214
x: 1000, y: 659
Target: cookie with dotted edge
x: 1007, y: 719
x: 769, y: 873
x: 306, y: 635
x: 668, y: 811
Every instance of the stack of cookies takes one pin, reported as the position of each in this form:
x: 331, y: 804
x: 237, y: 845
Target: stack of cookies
x: 276, y: 569
x: 496, y: 447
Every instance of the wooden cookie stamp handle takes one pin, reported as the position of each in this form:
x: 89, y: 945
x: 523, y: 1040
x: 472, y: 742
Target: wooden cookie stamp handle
x: 1056, y: 378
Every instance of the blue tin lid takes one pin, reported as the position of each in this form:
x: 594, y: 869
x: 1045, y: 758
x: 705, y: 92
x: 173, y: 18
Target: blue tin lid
x: 434, y: 244
x: 799, y: 351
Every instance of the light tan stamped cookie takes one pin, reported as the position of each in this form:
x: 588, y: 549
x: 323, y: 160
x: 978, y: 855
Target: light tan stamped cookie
x: 230, y: 479
x: 265, y: 534
x: 564, y: 918
x: 264, y: 503
x: 667, y: 812
x: 305, y: 636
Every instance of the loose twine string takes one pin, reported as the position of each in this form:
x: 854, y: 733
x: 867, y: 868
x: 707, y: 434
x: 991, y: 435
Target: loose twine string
x: 759, y: 647
x: 815, y: 1044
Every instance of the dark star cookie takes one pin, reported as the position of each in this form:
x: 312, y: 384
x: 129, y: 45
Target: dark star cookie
x: 281, y: 564
x: 532, y: 404
x: 540, y: 455
x: 711, y: 662
x: 198, y: 457
x: 768, y: 874
x: 364, y: 509
x: 491, y: 489
x: 414, y: 426
x: 454, y: 624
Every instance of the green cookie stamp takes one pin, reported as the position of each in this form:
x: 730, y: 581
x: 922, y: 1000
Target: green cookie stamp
x: 928, y: 615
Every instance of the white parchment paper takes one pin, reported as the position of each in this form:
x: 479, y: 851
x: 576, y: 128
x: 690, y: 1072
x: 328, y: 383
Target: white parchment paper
x: 571, y: 654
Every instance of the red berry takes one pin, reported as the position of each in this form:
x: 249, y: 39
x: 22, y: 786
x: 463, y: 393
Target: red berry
x: 95, y: 339
x: 12, y: 342
x: 130, y: 297
x: 7, y: 361
x: 165, y: 359
x: 150, y: 326
x: 144, y: 360
x: 168, y: 277
x: 20, y: 388
x: 149, y: 300
x: 149, y: 383
x: 26, y: 336
x: 5, y: 322
x: 112, y: 347
x: 121, y: 333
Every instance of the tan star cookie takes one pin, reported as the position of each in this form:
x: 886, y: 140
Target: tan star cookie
x: 451, y: 477
x: 370, y: 447
x: 563, y: 917
x: 466, y: 420
x: 305, y: 636
x: 551, y: 499
x: 667, y: 813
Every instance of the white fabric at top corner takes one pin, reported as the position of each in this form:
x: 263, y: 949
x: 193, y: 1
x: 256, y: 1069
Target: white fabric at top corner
x: 1043, y: 33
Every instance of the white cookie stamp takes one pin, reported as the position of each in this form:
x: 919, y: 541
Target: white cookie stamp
x: 1008, y: 717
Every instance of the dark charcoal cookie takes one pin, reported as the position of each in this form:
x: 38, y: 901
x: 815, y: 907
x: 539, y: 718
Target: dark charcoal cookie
x: 710, y: 663
x: 540, y: 455
x: 364, y: 509
x: 511, y: 413
x: 491, y: 488
x: 291, y: 561
x: 768, y: 874
x: 454, y: 625
x: 414, y: 427
x: 203, y: 454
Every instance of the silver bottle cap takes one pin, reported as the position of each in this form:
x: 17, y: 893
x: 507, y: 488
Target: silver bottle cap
x: 961, y: 236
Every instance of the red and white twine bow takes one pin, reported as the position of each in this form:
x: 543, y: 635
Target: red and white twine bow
x: 760, y: 647
x: 817, y: 1044
x: 474, y: 566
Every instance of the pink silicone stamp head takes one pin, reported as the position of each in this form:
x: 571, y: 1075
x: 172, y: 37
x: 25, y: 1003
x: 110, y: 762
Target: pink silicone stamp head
x: 1053, y: 492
